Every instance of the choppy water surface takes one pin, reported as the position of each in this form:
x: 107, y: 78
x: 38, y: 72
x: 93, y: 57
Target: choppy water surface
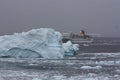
x: 105, y: 45
x: 99, y: 60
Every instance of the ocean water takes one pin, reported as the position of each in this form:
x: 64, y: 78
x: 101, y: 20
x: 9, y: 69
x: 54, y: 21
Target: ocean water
x: 99, y: 60
x: 101, y: 45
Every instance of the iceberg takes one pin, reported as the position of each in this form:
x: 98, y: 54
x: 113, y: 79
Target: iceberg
x: 70, y: 49
x: 36, y: 43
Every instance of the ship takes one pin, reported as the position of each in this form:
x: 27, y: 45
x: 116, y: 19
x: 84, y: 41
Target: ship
x: 81, y: 38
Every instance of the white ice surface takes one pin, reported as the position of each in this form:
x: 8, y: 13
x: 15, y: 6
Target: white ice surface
x: 70, y: 48
x: 36, y: 43
x: 91, y: 67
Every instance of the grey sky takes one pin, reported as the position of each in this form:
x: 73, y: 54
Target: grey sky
x: 94, y: 16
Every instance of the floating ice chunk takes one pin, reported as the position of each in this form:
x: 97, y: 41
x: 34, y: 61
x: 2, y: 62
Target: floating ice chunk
x: 70, y: 48
x: 90, y: 67
x: 58, y: 77
x: 37, y: 79
x: 36, y: 43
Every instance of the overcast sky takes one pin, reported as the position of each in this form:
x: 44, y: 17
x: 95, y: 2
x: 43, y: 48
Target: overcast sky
x: 94, y: 16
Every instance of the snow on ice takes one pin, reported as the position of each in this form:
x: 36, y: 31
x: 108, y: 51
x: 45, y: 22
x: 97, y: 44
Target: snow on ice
x: 36, y: 43
x: 91, y: 67
x: 69, y: 48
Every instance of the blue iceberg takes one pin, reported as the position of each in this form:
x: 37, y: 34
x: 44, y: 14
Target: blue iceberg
x: 37, y: 43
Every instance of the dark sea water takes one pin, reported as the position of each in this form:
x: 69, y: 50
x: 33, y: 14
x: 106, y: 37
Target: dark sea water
x: 102, y: 45
x: 89, y: 64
